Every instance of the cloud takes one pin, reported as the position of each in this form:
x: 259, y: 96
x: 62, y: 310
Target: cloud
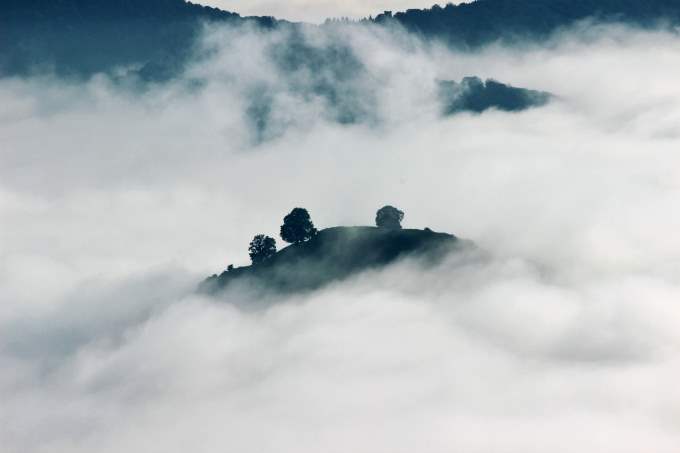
x: 115, y: 202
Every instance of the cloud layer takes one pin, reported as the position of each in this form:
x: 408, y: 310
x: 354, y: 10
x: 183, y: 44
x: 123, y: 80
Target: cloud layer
x: 114, y: 203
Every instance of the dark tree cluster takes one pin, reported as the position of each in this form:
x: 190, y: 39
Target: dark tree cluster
x: 473, y: 94
x: 473, y: 24
x: 298, y: 228
x: 389, y: 217
x: 84, y: 37
x: 261, y: 248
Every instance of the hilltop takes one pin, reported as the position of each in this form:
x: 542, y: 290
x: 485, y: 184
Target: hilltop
x: 335, y: 254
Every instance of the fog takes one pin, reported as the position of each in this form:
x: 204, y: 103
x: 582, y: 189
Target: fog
x: 116, y: 201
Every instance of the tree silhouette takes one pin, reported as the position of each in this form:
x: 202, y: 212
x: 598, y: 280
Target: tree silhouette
x: 261, y: 248
x: 389, y: 217
x: 297, y: 227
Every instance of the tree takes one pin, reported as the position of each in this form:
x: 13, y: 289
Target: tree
x: 297, y: 227
x: 261, y: 248
x: 389, y: 217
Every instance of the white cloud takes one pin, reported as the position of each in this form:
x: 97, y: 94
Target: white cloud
x: 114, y: 204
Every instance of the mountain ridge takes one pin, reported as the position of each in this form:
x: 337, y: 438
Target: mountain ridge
x: 481, y: 22
x: 84, y: 37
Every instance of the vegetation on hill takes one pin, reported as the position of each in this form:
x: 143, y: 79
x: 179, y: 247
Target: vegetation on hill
x: 154, y: 40
x: 334, y: 254
x: 474, y: 24
x: 83, y: 37
x: 474, y: 95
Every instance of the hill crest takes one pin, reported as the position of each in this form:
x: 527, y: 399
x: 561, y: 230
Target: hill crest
x: 335, y: 254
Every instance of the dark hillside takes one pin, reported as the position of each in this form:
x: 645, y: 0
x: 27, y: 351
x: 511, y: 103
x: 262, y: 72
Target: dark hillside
x: 474, y: 95
x: 473, y: 24
x: 335, y: 254
x: 82, y: 37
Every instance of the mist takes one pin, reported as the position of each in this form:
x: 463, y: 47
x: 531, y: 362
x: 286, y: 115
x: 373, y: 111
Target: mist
x: 116, y: 201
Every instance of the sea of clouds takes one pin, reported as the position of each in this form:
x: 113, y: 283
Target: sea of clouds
x: 116, y: 201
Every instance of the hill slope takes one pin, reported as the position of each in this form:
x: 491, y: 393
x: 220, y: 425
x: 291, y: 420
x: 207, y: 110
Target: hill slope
x: 335, y: 254
x: 474, y: 95
x: 82, y: 37
x: 483, y: 21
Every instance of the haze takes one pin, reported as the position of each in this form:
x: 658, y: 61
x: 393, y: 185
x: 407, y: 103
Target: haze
x: 115, y: 203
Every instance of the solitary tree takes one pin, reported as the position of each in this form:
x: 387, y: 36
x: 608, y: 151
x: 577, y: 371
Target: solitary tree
x: 261, y: 248
x: 297, y: 227
x: 389, y: 217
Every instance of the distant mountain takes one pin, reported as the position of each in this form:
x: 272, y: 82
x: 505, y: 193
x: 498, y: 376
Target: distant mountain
x: 481, y: 22
x: 335, y: 254
x: 349, y: 98
x: 82, y: 37
x: 474, y: 95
